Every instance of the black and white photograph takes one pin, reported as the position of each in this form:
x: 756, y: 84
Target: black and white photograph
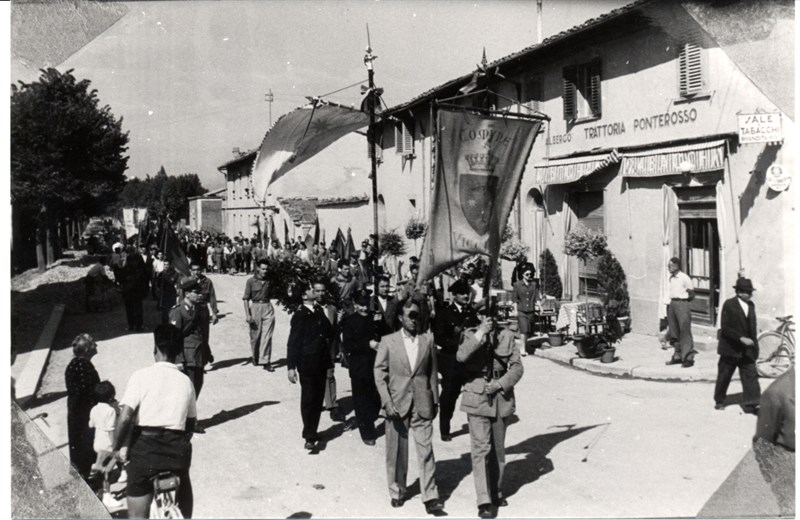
x: 260, y: 247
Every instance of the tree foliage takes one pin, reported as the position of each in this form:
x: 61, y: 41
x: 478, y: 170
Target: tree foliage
x: 67, y: 152
x: 392, y: 243
x: 162, y: 194
x: 612, y: 279
x: 548, y: 273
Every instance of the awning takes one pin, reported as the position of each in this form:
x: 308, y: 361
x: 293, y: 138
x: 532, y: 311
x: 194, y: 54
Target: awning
x: 699, y: 157
x: 563, y: 171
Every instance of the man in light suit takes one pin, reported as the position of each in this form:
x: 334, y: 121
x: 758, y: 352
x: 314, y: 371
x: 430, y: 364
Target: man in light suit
x: 738, y: 347
x: 407, y: 381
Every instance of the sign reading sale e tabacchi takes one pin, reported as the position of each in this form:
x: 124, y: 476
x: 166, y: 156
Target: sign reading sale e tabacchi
x: 760, y: 128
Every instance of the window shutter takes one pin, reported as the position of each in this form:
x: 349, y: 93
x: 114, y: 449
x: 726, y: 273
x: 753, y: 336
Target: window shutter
x: 398, y: 138
x: 595, y: 98
x: 570, y: 100
x: 690, y: 69
x: 408, y: 138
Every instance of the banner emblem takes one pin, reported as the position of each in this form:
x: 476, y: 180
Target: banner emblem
x: 478, y: 190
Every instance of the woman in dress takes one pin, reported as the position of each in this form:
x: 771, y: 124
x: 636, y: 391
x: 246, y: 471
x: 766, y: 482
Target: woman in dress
x: 80, y: 378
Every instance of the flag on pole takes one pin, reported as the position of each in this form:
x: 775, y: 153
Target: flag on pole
x: 338, y: 243
x: 316, y: 232
x: 285, y: 234
x: 298, y: 136
x: 481, y: 161
x: 273, y: 235
x: 169, y: 244
x: 349, y: 247
x: 323, y: 237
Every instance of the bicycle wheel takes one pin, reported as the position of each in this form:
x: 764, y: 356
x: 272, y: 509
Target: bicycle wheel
x: 172, y: 511
x: 774, y: 358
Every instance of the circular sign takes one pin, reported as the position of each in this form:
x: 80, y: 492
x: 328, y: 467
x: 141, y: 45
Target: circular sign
x: 778, y: 178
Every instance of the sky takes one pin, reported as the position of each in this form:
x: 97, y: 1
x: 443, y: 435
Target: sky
x: 190, y: 78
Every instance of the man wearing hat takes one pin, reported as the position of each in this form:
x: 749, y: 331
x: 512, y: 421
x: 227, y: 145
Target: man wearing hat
x: 738, y: 347
x: 448, y: 326
x: 492, y: 366
x: 526, y: 294
x: 186, y: 317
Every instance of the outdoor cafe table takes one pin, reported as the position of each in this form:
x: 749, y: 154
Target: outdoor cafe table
x: 568, y: 317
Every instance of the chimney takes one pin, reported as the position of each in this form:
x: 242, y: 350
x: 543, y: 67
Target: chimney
x: 236, y: 152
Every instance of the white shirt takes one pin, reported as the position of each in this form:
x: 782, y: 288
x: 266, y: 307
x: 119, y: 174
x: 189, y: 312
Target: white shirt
x: 382, y: 301
x: 412, y: 348
x: 679, y: 286
x: 103, y: 418
x: 162, y: 395
x: 745, y: 307
x: 158, y: 265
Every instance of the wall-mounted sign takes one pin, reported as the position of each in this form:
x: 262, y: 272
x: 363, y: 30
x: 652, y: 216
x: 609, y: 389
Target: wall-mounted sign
x: 778, y: 177
x: 760, y: 128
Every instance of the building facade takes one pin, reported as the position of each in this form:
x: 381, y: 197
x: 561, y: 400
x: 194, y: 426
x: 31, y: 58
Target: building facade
x: 205, y: 212
x: 657, y: 137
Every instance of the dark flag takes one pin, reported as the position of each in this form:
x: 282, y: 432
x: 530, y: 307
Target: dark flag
x: 169, y: 244
x: 285, y: 234
x: 481, y: 161
x: 316, y: 232
x: 338, y: 243
x: 349, y: 247
x: 273, y: 235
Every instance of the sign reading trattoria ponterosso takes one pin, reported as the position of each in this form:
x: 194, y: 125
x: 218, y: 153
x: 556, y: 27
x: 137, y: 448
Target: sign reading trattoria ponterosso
x: 760, y: 128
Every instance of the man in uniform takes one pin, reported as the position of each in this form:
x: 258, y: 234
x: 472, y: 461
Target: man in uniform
x: 159, y: 409
x: 493, y: 366
x: 308, y: 354
x: 407, y: 381
x: 186, y: 317
x: 207, y: 301
x: 450, y: 322
x: 679, y: 315
x: 260, y: 316
x: 167, y: 281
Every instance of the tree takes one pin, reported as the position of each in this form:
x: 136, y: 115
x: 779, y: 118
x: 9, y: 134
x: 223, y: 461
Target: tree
x: 67, y: 155
x: 162, y: 194
x: 612, y: 279
x: 551, y: 283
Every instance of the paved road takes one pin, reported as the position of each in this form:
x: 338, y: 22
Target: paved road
x: 584, y: 445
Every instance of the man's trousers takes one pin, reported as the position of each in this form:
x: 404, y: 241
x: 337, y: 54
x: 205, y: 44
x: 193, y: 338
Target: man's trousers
x: 263, y: 325
x: 312, y: 391
x: 366, y: 403
x: 751, y: 389
x: 452, y: 381
x: 679, y: 316
x: 488, y: 437
x: 397, y: 455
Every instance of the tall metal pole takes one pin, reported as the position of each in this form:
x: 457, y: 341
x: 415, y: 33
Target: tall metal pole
x: 269, y: 98
x: 368, y: 59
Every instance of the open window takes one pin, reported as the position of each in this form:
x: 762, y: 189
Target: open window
x: 582, y: 96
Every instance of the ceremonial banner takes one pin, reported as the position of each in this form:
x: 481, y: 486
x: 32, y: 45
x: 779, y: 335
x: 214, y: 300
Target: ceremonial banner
x: 169, y: 244
x: 480, y: 164
x: 297, y: 137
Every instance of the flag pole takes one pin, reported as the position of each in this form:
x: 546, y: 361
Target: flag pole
x: 373, y: 96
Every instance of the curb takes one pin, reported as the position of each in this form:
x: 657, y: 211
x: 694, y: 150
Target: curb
x: 566, y: 355
x: 29, y: 366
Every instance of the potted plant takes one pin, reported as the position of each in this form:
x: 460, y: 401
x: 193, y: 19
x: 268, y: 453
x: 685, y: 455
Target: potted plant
x: 551, y: 286
x: 611, y: 278
x: 585, y: 244
x: 511, y: 250
x: 416, y: 228
x: 284, y: 273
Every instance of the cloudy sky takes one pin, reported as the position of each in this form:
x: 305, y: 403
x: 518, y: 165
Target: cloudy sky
x: 190, y: 78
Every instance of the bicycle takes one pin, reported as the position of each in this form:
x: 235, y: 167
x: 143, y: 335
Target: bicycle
x: 165, y: 487
x: 776, y: 349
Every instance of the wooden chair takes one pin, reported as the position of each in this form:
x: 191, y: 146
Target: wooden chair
x: 548, y: 314
x: 592, y: 318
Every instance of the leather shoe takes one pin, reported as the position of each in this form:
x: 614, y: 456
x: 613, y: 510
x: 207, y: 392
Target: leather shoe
x: 269, y: 368
x: 446, y: 437
x: 500, y: 502
x: 485, y: 511
x: 674, y: 361
x: 751, y: 409
x: 719, y: 406
x: 198, y: 429
x: 434, y: 507
x: 397, y: 502
x: 309, y: 445
x: 337, y: 416
x: 369, y: 442
x: 688, y: 363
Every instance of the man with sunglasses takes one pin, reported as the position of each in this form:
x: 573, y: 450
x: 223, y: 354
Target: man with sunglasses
x: 738, y: 347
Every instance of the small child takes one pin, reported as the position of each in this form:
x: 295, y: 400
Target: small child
x: 103, y: 418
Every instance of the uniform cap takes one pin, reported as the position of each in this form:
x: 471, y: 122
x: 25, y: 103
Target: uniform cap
x: 362, y: 299
x: 189, y: 284
x: 459, y: 287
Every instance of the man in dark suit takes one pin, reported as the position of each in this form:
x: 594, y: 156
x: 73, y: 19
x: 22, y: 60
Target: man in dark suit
x: 450, y: 322
x: 308, y: 354
x: 384, y: 308
x: 405, y: 374
x: 360, y: 343
x: 738, y: 347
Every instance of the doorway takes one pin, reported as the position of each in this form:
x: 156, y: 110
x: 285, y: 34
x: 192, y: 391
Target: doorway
x: 699, y: 249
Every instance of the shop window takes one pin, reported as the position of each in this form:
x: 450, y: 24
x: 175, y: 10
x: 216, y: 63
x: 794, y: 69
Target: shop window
x: 582, y: 97
x: 691, y: 70
x: 404, y: 138
x: 591, y: 215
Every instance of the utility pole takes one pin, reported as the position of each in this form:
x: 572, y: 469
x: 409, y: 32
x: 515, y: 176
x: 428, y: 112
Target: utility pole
x: 269, y: 98
x: 374, y: 95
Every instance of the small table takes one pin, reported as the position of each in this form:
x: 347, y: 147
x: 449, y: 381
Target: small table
x: 568, y: 317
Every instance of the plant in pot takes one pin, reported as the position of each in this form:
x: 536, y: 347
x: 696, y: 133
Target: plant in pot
x: 511, y: 249
x: 585, y: 244
x: 392, y: 247
x: 416, y: 228
x: 611, y: 278
x: 551, y: 286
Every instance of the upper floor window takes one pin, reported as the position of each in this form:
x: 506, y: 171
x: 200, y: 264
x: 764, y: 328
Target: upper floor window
x: 582, y: 98
x: 691, y: 70
x: 531, y: 96
x: 404, y: 138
